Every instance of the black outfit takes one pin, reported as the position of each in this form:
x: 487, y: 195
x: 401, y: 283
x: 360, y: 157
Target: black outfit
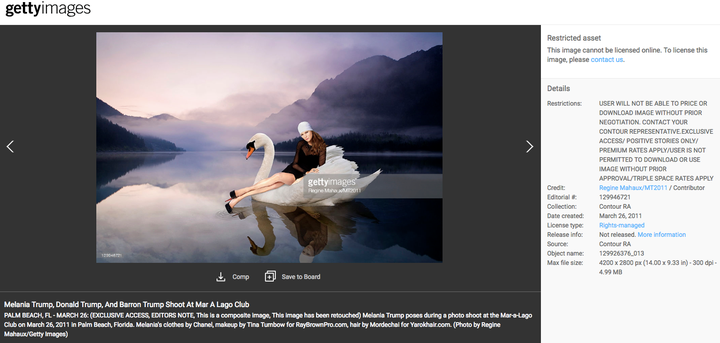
x: 303, y: 161
x: 310, y: 231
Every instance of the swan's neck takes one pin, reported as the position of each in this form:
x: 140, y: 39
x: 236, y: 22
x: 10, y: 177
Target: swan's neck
x: 267, y: 162
x: 266, y: 228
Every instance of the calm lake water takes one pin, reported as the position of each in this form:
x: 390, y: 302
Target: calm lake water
x: 168, y: 207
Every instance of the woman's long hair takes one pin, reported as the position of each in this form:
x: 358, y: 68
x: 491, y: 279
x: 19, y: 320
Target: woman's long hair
x: 318, y: 143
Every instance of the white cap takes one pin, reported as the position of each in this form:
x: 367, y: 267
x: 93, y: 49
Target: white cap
x: 307, y: 255
x: 304, y: 126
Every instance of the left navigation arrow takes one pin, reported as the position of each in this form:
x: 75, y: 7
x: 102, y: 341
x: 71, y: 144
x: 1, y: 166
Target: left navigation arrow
x: 8, y: 146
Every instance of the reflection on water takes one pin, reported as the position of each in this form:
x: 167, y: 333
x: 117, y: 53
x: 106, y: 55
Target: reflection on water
x: 315, y: 228
x: 171, y: 210
x: 312, y: 235
x: 112, y: 166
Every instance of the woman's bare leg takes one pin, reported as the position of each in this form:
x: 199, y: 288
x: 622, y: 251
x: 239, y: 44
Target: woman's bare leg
x: 278, y: 177
x: 284, y: 179
x: 234, y: 202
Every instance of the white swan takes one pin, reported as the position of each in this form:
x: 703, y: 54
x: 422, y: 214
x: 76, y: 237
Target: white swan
x: 294, y: 194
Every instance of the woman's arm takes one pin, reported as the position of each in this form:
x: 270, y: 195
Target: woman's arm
x: 321, y: 156
x: 296, y: 160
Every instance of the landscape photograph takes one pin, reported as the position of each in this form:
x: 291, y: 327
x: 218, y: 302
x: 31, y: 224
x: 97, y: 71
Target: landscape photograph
x: 185, y: 119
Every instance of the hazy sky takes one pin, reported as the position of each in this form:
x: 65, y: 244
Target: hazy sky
x: 231, y: 78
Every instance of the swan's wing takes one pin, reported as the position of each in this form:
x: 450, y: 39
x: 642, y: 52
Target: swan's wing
x: 333, y: 151
x: 336, y: 164
x: 365, y: 181
x: 339, y: 167
x: 360, y: 185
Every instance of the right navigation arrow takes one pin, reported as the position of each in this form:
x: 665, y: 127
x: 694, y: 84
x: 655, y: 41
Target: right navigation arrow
x: 531, y: 146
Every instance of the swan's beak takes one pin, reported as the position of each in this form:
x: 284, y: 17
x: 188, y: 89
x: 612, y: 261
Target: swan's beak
x: 251, y: 147
x: 253, y: 246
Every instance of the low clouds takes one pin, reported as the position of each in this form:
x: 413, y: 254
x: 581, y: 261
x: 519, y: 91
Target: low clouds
x: 231, y: 78
x: 193, y: 135
x: 241, y: 109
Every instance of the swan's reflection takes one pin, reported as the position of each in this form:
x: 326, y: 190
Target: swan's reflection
x: 315, y: 228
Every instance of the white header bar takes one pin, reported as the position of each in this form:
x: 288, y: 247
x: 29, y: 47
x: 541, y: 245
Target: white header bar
x: 368, y: 12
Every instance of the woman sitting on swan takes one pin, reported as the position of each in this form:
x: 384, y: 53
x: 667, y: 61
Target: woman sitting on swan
x: 309, y: 154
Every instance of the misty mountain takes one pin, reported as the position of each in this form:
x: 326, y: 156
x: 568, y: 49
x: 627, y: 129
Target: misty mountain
x: 111, y: 136
x: 163, y: 117
x: 375, y: 95
x: 104, y: 110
